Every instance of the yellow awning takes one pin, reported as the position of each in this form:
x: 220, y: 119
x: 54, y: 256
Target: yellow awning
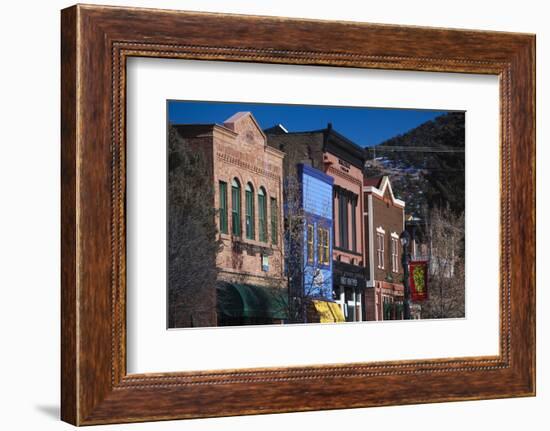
x: 329, y: 312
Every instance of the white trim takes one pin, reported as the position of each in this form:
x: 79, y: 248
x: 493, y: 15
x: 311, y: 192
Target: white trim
x: 394, y: 235
x: 371, y: 244
x: 381, y: 230
x: 360, y: 306
x: 394, y: 256
x: 380, y: 191
x: 282, y: 127
x: 381, y: 249
x: 342, y: 301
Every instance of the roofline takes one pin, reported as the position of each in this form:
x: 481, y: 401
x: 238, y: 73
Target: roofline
x: 360, y: 150
x: 356, y: 147
x: 305, y: 132
x: 379, y: 192
x: 253, y: 119
x: 214, y: 126
x: 275, y: 151
x: 311, y: 171
x: 379, y: 177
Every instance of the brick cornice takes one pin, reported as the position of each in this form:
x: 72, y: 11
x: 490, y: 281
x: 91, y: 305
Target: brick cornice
x: 245, y: 165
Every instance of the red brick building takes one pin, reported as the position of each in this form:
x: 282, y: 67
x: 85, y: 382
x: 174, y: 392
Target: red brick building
x: 384, y: 221
x: 344, y: 161
x: 247, y: 176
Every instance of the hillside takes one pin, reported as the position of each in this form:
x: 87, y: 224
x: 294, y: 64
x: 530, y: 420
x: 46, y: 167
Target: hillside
x: 425, y: 165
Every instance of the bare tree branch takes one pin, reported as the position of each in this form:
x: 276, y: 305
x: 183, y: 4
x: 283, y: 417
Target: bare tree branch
x: 192, y: 238
x: 445, y: 236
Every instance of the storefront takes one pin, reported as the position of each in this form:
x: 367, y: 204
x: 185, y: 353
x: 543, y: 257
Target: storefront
x: 349, y: 289
x: 246, y: 304
x: 323, y: 311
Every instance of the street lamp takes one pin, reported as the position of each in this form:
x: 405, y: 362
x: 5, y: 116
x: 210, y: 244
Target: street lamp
x: 404, y: 238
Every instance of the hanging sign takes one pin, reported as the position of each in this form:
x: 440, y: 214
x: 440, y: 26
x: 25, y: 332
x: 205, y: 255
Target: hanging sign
x: 418, y: 280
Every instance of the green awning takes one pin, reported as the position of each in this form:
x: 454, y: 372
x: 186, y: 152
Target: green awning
x: 249, y: 301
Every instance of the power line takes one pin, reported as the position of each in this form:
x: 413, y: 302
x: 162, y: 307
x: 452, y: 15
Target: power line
x: 417, y: 149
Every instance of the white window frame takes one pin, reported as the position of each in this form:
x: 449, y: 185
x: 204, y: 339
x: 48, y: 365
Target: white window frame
x: 380, y: 239
x: 395, y: 254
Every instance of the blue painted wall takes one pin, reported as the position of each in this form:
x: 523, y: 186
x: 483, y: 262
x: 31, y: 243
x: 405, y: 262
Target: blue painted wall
x: 316, y: 188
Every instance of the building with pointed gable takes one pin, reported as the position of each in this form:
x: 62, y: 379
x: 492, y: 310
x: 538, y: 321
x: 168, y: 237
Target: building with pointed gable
x: 384, y: 221
x: 247, y: 176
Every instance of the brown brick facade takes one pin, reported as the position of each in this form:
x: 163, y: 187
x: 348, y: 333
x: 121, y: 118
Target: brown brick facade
x: 306, y: 148
x: 237, y: 151
x: 384, y: 223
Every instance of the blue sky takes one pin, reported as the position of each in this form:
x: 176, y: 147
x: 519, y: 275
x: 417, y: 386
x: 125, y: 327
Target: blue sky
x: 364, y: 126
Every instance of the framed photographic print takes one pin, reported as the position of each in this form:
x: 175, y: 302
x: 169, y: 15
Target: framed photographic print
x: 286, y: 207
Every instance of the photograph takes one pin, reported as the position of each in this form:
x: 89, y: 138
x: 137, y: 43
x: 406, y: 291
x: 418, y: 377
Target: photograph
x: 263, y: 215
x: 299, y: 214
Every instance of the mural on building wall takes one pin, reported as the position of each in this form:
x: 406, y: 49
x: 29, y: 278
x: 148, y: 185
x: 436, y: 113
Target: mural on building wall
x: 296, y: 214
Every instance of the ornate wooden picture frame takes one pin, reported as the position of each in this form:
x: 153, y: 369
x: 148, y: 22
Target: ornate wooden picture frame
x: 96, y: 42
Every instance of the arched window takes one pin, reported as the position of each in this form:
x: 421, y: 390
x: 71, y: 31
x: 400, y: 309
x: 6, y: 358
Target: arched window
x: 236, y: 207
x: 249, y: 211
x: 262, y: 214
x: 223, y: 207
x: 274, y: 209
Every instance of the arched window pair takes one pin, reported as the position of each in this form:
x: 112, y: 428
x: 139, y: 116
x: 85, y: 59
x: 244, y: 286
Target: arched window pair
x: 250, y: 222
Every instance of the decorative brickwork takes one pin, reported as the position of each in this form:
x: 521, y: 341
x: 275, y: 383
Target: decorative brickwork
x: 243, y: 158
